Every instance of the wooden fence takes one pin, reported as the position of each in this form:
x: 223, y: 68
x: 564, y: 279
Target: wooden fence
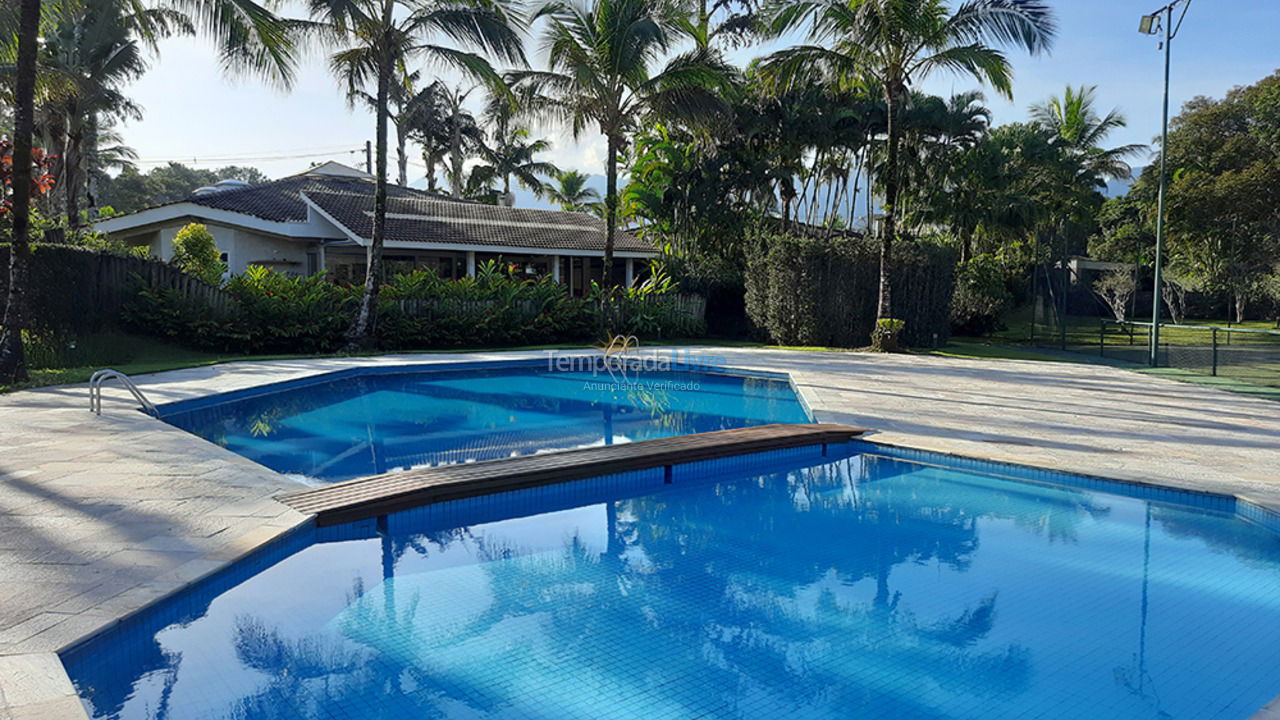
x: 73, y: 287
x: 118, y: 279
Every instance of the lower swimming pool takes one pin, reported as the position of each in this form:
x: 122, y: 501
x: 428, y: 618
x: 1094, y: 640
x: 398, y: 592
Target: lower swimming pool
x: 371, y: 420
x: 871, y: 583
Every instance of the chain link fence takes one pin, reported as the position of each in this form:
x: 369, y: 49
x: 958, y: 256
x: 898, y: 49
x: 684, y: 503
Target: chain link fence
x: 1244, y: 354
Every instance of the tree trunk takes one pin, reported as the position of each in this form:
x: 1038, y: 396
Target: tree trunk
x: 610, y: 208
x: 91, y: 158
x: 429, y: 159
x: 455, y: 154
x: 360, y: 335
x: 13, y: 362
x: 884, y: 306
x: 402, y: 155
x: 72, y: 163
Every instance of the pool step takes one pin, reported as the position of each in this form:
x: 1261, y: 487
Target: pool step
x: 391, y: 492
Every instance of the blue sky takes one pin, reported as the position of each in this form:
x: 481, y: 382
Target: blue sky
x: 195, y: 114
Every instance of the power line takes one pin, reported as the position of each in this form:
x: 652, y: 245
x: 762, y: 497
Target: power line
x: 246, y: 157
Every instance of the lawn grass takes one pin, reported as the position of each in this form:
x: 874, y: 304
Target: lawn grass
x: 985, y: 349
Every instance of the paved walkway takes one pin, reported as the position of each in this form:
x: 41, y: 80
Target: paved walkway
x: 100, y: 516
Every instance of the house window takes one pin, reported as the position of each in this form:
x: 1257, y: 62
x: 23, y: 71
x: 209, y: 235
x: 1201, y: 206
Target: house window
x: 398, y: 265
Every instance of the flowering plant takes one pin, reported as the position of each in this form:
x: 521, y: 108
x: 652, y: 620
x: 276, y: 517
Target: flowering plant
x: 41, y: 178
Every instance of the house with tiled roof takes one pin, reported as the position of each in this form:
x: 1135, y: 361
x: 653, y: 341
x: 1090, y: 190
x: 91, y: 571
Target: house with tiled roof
x: 322, y: 219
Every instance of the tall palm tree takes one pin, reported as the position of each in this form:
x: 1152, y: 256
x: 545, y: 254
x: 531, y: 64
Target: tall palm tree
x: 465, y: 138
x: 570, y: 192
x: 91, y: 50
x: 511, y: 149
x: 600, y: 60
x: 1073, y: 120
x: 410, y: 107
x: 429, y: 127
x: 894, y: 44
x: 250, y: 38
x: 13, y: 365
x: 375, y: 38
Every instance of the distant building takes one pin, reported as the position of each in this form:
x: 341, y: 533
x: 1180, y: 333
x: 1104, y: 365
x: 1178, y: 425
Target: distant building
x: 322, y: 219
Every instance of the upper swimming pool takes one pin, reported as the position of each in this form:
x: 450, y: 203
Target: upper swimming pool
x: 372, y: 421
x: 872, y: 583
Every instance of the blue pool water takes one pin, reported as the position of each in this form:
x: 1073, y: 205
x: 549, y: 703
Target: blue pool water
x: 872, y: 583
x: 368, y: 423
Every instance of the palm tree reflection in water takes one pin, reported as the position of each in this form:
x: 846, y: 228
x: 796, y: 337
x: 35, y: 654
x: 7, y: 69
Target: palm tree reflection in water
x: 750, y: 596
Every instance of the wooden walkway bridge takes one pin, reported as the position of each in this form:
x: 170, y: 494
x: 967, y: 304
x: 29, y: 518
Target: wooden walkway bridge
x: 391, y: 492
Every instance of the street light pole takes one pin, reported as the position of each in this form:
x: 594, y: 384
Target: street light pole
x: 1170, y: 30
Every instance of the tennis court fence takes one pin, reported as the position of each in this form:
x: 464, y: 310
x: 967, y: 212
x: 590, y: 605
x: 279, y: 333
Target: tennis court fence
x: 1243, y: 354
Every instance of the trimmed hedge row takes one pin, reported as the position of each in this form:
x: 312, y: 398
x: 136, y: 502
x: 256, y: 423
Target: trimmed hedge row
x: 823, y: 291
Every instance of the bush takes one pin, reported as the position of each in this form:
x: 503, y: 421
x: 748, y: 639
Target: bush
x: 823, y: 291
x: 273, y: 312
x: 981, y: 296
x: 720, y: 281
x: 195, y: 253
x: 1116, y: 288
x: 420, y: 309
x: 884, y: 338
x: 651, y: 309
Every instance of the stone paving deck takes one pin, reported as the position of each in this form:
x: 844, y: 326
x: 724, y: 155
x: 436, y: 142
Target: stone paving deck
x: 99, y: 516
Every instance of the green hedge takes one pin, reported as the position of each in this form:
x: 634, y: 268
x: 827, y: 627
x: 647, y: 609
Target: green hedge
x: 272, y: 312
x: 823, y: 291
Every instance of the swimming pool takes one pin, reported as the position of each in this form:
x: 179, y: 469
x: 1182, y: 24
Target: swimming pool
x: 874, y: 582
x: 370, y: 421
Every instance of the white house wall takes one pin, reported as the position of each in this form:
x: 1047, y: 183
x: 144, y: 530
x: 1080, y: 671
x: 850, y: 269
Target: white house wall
x: 245, y: 248
x: 241, y: 247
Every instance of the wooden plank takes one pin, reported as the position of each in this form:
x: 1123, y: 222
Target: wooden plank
x: 391, y: 492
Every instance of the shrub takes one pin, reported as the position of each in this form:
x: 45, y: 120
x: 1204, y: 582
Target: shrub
x: 651, y: 309
x: 981, y: 296
x: 721, y: 282
x: 884, y: 338
x: 273, y: 312
x: 420, y: 309
x: 823, y: 291
x: 195, y: 252
x: 1115, y: 288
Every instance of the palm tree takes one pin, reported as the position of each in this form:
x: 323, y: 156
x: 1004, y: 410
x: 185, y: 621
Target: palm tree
x: 570, y: 192
x: 599, y: 73
x: 429, y: 127
x: 894, y: 43
x: 377, y: 37
x: 250, y: 39
x: 1073, y: 120
x: 512, y: 150
x: 464, y: 137
x: 92, y: 49
x: 412, y: 107
x: 13, y: 364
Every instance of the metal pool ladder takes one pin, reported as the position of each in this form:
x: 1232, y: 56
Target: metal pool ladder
x: 105, y: 374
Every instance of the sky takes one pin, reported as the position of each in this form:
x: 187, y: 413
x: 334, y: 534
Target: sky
x: 196, y: 115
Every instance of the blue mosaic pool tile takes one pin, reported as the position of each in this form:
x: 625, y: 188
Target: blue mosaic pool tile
x: 1200, y: 499
x: 716, y: 596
